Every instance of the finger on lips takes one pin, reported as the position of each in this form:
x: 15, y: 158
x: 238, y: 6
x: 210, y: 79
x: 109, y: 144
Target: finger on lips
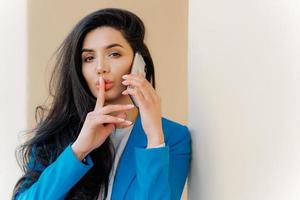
x: 101, y: 94
x: 106, y: 110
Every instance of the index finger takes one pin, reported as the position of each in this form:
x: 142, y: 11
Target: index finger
x: 101, y: 94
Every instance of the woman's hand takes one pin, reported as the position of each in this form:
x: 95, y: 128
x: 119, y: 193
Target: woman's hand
x: 98, y: 124
x: 149, y: 106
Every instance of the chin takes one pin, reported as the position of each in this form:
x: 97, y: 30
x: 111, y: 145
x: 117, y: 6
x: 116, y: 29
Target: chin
x: 112, y: 95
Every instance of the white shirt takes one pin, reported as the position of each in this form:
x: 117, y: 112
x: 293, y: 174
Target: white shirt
x: 119, y: 138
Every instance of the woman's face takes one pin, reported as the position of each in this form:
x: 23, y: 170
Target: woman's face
x: 106, y: 53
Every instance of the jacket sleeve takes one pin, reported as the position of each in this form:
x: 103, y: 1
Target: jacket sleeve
x: 162, y: 172
x: 58, y: 178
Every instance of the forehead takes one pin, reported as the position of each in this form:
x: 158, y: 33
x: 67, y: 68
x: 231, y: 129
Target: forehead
x: 102, y: 37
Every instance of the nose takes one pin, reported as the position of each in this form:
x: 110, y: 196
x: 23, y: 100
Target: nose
x: 102, y: 68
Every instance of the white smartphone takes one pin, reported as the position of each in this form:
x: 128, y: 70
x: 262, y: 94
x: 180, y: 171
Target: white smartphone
x: 137, y: 66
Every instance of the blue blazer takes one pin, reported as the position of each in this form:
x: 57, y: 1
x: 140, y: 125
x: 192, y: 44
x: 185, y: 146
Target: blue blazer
x: 142, y: 174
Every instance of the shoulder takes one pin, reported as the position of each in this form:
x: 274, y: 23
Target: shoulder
x: 175, y: 133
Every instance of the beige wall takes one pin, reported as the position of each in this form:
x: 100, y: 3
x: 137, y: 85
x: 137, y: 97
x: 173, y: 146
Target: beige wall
x: 49, y: 21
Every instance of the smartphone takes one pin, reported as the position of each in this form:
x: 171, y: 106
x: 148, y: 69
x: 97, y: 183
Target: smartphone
x: 138, y: 65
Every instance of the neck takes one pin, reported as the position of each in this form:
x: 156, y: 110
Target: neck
x: 131, y: 114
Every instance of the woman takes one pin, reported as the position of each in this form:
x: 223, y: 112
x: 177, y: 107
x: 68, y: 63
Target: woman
x: 94, y: 143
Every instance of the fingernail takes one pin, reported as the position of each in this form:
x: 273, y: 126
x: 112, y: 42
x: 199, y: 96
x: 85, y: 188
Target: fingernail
x: 124, y: 76
x: 122, y: 120
x: 130, y: 105
x: 128, y: 122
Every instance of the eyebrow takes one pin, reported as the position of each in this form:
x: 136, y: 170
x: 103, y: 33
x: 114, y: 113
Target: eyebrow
x: 107, y: 47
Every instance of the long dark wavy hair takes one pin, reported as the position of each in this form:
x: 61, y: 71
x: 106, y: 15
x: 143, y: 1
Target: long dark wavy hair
x: 59, y: 124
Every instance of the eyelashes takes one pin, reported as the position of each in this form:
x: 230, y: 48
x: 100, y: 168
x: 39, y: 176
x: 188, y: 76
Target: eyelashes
x: 89, y: 59
x: 114, y: 54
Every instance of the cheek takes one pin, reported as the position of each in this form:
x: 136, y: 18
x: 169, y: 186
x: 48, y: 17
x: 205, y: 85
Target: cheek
x: 87, y: 75
x: 85, y: 72
x: 123, y: 67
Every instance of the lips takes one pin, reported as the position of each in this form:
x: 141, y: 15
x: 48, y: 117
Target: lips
x: 108, y: 84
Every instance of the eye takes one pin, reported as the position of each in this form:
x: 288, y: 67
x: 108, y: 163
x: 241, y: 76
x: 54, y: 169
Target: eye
x: 88, y: 59
x: 115, y: 55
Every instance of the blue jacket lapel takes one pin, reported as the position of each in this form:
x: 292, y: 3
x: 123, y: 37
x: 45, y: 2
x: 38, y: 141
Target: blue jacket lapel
x: 126, y: 168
